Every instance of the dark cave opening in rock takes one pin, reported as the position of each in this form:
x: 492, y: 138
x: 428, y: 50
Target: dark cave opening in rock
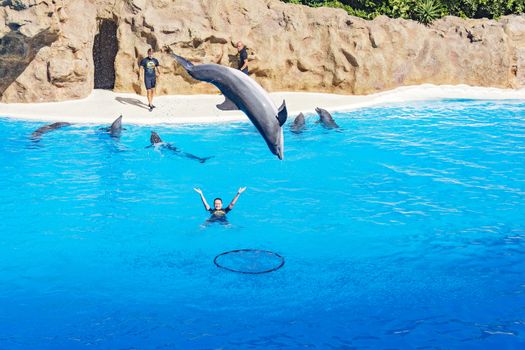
x: 105, y: 49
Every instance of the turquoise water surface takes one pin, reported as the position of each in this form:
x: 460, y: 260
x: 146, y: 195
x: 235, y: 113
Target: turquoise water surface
x: 404, y: 229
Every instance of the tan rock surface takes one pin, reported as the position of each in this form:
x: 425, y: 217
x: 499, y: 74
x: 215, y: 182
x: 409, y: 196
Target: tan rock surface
x: 46, y: 47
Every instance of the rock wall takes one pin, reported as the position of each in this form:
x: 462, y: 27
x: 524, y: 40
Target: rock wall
x: 46, y: 47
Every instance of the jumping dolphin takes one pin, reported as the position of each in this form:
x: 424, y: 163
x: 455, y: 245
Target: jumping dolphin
x: 157, y: 141
x: 326, y: 119
x: 298, y: 124
x: 37, y: 134
x: 115, y: 129
x: 243, y: 93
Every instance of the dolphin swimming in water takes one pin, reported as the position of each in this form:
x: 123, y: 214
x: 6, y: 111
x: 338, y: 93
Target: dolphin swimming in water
x: 155, y: 138
x: 115, y: 130
x: 157, y: 141
x: 37, y: 134
x: 326, y: 119
x: 243, y: 93
x: 298, y: 124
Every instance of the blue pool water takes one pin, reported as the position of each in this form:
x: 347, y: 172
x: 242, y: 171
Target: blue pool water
x: 403, y: 230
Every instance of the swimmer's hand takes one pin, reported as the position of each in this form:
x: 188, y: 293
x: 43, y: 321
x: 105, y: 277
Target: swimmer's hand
x: 241, y: 190
x: 198, y: 190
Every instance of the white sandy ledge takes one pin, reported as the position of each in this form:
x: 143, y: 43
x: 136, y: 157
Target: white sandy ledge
x: 103, y: 106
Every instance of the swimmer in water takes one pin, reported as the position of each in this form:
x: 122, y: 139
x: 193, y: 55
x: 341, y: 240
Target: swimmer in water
x: 218, y: 213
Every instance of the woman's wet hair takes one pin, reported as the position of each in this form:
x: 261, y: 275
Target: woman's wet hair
x: 220, y: 199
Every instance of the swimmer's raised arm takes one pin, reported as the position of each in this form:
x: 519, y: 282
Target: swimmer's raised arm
x: 234, y: 200
x: 199, y: 191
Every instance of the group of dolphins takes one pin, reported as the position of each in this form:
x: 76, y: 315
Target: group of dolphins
x: 325, y: 118
x: 241, y: 93
x: 115, y: 131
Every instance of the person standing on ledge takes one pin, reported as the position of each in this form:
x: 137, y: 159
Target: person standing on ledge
x: 218, y: 214
x: 150, y: 65
x: 243, y: 57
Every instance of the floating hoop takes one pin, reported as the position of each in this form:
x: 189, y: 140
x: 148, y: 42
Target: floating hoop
x: 249, y: 261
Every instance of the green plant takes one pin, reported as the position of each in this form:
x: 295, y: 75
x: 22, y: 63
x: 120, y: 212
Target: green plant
x: 424, y: 11
x: 427, y: 11
x: 400, y: 8
x: 484, y: 8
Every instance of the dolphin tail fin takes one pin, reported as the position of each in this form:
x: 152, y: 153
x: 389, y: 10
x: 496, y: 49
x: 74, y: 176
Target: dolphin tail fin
x: 227, y: 105
x: 183, y: 62
x: 282, y: 114
x: 202, y: 160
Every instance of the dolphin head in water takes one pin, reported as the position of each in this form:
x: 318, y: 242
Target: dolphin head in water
x: 243, y: 93
x: 154, y: 138
x: 326, y: 119
x: 298, y: 123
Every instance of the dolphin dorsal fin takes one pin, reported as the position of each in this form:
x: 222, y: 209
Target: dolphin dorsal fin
x: 282, y: 114
x: 116, y: 123
x: 228, y: 105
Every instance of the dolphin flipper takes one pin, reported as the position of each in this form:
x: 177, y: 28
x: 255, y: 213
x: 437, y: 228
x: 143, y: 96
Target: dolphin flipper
x: 282, y: 114
x: 227, y: 105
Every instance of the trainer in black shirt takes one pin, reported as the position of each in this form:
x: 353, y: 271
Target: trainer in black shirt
x: 243, y: 57
x: 150, y: 65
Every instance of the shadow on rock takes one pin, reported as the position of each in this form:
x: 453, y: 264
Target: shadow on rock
x: 17, y: 52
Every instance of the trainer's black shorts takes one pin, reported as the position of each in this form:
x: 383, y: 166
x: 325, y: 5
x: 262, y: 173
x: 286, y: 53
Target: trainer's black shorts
x: 150, y: 82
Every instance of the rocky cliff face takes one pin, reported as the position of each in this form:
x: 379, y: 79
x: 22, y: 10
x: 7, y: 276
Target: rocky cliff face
x: 48, y: 48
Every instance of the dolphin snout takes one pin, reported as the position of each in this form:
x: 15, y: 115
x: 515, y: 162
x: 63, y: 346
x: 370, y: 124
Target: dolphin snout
x: 279, y: 151
x: 278, y: 146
